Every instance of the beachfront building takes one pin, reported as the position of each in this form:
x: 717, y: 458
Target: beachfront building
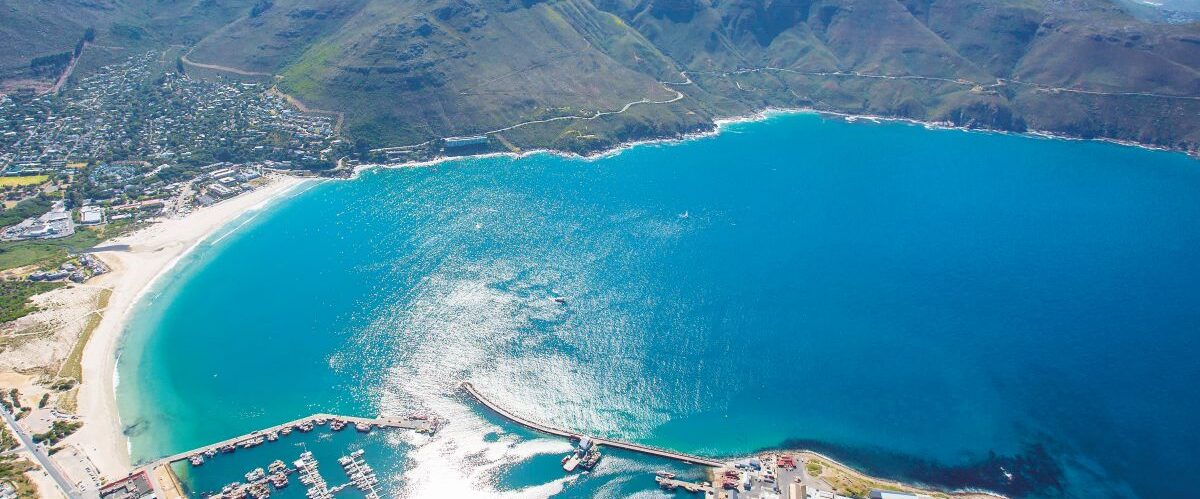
x: 474, y: 140
x: 54, y: 224
x: 135, y: 486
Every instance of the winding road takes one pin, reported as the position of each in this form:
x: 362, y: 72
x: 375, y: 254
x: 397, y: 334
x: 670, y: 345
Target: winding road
x: 678, y: 96
x: 999, y: 81
x: 217, y: 67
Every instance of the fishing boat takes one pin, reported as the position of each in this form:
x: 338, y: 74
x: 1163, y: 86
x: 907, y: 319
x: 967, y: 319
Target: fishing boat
x: 590, y: 459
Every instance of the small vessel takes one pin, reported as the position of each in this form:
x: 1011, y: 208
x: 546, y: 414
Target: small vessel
x: 571, y: 462
x: 228, y: 448
x: 363, y: 427
x: 255, y: 475
x: 210, y: 453
x: 234, y: 490
x: 279, y: 480
x: 273, y: 436
x: 246, y: 444
x: 665, y: 474
x: 277, y: 466
x: 590, y: 459
x: 337, y: 425
x: 287, y: 430
x: 196, y: 460
x: 560, y: 300
x: 259, y: 491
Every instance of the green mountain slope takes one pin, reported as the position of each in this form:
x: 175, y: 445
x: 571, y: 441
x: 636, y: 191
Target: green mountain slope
x: 30, y: 29
x: 415, y: 71
x: 584, y: 74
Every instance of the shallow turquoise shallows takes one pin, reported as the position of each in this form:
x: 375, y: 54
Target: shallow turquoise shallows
x: 961, y: 309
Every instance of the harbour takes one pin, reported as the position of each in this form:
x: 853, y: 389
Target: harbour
x: 772, y: 475
x: 399, y: 321
x: 159, y: 477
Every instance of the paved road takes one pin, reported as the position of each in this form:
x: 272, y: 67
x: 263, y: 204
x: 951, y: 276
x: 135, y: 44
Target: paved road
x: 217, y: 67
x: 41, y: 457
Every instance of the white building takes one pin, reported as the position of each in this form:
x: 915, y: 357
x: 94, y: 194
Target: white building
x: 91, y: 215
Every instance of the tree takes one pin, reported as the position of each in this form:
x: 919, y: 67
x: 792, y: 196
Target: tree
x: 260, y: 7
x: 362, y: 147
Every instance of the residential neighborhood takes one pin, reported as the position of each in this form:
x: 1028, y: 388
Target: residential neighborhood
x: 139, y: 140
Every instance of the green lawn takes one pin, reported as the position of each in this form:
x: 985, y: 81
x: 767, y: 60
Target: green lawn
x: 46, y: 254
x: 23, y: 180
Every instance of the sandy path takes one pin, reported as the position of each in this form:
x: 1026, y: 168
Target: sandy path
x: 152, y: 251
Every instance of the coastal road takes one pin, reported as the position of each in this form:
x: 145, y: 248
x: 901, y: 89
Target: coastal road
x: 42, y: 458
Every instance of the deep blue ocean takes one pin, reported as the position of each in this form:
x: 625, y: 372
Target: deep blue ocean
x: 955, y: 308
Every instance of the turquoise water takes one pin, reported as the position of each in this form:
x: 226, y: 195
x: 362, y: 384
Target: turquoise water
x: 933, y: 305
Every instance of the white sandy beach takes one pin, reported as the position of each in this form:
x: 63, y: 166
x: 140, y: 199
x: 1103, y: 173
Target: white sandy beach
x: 152, y: 251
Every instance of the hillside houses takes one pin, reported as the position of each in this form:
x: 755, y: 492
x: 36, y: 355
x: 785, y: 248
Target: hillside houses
x: 133, y: 111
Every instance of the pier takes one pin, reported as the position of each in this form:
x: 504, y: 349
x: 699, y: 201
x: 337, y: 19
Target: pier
x: 254, y: 438
x: 618, y: 444
x: 672, y: 484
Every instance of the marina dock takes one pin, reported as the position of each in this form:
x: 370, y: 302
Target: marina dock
x: 617, y: 444
x: 420, y: 424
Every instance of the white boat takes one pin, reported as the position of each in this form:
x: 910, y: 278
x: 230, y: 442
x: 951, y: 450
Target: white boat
x: 571, y: 464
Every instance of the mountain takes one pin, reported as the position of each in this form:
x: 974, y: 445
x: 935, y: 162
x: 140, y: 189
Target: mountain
x: 30, y: 29
x: 408, y: 72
